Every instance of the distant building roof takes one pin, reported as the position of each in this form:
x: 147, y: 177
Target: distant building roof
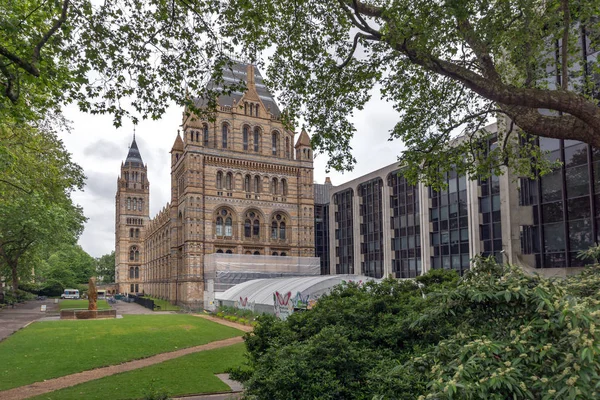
x: 232, y: 76
x: 322, y: 192
x: 134, y: 158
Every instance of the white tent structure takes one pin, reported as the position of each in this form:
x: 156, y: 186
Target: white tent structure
x: 223, y: 271
x: 281, y: 296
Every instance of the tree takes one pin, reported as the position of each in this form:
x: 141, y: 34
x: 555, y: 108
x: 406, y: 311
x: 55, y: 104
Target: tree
x: 495, y: 334
x: 126, y: 58
x: 36, y: 211
x: 443, y: 65
x: 105, y: 267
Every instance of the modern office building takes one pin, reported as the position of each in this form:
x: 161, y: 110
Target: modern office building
x: 381, y: 225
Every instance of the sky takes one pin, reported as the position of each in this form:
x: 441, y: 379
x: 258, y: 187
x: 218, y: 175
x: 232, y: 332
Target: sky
x: 99, y: 148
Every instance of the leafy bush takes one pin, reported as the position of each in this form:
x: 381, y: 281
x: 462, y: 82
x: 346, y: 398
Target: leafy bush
x: 496, y: 333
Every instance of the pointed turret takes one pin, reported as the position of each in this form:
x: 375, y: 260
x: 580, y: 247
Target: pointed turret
x: 134, y: 158
x: 303, y: 149
x: 177, y: 149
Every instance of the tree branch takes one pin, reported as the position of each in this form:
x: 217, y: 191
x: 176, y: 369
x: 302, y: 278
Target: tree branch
x: 57, y: 24
x: 565, y: 44
x: 353, y: 49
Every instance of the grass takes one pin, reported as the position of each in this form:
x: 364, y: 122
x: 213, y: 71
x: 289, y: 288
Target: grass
x: 68, y: 304
x: 51, y: 349
x: 191, y: 374
x: 164, y: 304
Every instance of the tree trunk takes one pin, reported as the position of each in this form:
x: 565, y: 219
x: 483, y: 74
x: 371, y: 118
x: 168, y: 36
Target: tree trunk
x: 15, y: 278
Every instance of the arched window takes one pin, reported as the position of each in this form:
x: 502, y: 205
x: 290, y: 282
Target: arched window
x: 228, y: 252
x: 132, y: 288
x: 257, y: 184
x: 131, y: 273
x: 251, y: 220
x: 247, y: 183
x: 275, y: 142
x: 228, y: 181
x: 274, y: 253
x: 205, y: 139
x: 245, y: 137
x: 247, y: 228
x: 256, y: 110
x: 287, y: 147
x: 228, y: 227
x: 251, y: 109
x: 274, y: 186
x: 283, y: 254
x: 140, y: 204
x: 197, y: 136
x: 219, y: 229
x: 225, y: 132
x: 245, y: 108
x: 192, y: 136
x: 224, y: 223
x: 284, y: 187
x: 131, y: 232
x: 219, y: 180
x: 257, y: 253
x: 137, y: 272
x: 282, y: 230
x: 135, y: 203
x: 129, y: 203
x: 131, y: 255
x: 278, y: 227
x: 137, y: 255
x: 256, y: 139
x: 256, y: 228
x: 137, y: 233
x: 220, y: 251
x: 137, y: 288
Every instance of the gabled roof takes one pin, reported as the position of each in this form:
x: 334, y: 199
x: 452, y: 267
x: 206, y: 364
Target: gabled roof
x: 134, y: 158
x: 178, y: 145
x: 231, y: 76
x: 303, y: 140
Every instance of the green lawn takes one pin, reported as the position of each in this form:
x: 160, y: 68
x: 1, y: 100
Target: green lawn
x: 67, y: 304
x: 194, y: 373
x: 51, y: 349
x: 164, y: 304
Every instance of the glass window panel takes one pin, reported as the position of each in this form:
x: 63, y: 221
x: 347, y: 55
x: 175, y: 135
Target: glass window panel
x: 580, y: 234
x: 496, y: 202
x: 554, y: 237
x: 578, y: 208
x: 552, y: 212
x: 576, y: 155
x: 551, y: 186
x: 578, y: 179
x: 497, y: 229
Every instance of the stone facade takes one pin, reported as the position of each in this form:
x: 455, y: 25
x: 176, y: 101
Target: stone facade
x: 238, y: 185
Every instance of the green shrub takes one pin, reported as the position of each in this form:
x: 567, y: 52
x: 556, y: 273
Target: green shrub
x: 497, y: 333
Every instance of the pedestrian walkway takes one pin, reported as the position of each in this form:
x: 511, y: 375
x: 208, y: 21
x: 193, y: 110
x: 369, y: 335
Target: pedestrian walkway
x: 50, y: 385
x: 124, y: 308
x: 13, y: 319
x: 241, y: 327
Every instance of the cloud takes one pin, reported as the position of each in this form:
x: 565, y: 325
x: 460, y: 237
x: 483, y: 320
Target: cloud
x: 104, y: 149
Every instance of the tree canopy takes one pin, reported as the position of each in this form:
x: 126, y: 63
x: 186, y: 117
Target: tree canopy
x: 105, y: 267
x: 446, y: 67
x: 36, y: 210
x: 496, y: 333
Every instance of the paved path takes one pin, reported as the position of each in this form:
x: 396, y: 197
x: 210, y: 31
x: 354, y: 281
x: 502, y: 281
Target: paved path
x: 13, y: 319
x: 241, y: 327
x: 39, y: 388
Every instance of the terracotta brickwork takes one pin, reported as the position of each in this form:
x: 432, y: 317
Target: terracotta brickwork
x: 241, y: 183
